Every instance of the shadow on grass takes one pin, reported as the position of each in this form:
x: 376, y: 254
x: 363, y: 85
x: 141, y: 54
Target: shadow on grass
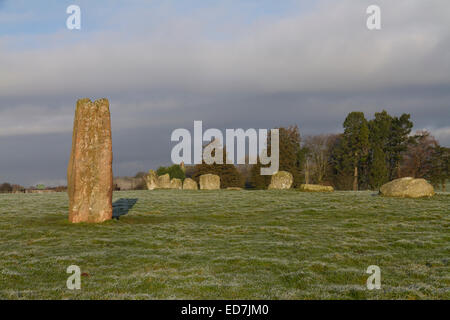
x: 123, y: 206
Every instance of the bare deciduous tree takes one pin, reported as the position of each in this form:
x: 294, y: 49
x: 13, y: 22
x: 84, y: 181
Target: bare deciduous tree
x: 317, y: 156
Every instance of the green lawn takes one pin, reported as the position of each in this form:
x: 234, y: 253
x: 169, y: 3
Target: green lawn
x: 177, y: 244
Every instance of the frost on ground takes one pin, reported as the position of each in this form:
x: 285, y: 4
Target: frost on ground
x: 228, y: 245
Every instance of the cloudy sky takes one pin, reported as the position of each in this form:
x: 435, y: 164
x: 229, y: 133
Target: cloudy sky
x: 229, y: 63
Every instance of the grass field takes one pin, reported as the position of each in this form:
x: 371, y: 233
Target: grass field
x: 228, y: 245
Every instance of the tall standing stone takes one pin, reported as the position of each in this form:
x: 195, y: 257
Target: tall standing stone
x: 89, y: 174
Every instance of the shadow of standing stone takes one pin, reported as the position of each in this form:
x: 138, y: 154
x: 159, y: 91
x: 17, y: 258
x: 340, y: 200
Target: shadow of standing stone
x: 122, y: 206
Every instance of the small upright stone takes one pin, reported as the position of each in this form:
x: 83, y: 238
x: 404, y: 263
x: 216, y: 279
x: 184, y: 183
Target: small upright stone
x: 281, y: 180
x: 151, y: 180
x: 209, y: 182
x: 164, y: 181
x: 189, y: 184
x: 176, y: 184
x: 89, y: 174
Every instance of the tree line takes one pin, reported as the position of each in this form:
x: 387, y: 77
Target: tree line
x: 367, y: 154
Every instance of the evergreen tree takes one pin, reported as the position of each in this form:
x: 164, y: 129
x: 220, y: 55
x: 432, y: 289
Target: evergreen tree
x: 391, y: 135
x: 379, y: 174
x: 290, y: 158
x: 290, y: 153
x: 174, y: 171
x: 356, y: 140
x: 257, y: 180
x: 228, y: 173
x: 341, y: 165
x: 380, y: 130
x: 398, y: 143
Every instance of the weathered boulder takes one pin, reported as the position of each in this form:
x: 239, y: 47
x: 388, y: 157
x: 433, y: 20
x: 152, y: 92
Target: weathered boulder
x: 209, y: 182
x: 281, y: 180
x: 164, y: 181
x: 176, y: 184
x: 315, y: 188
x: 89, y: 173
x: 151, y: 180
x: 407, y: 188
x: 189, y: 184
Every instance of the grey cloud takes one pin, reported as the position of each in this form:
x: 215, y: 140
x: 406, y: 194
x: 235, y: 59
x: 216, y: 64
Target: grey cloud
x: 329, y: 50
